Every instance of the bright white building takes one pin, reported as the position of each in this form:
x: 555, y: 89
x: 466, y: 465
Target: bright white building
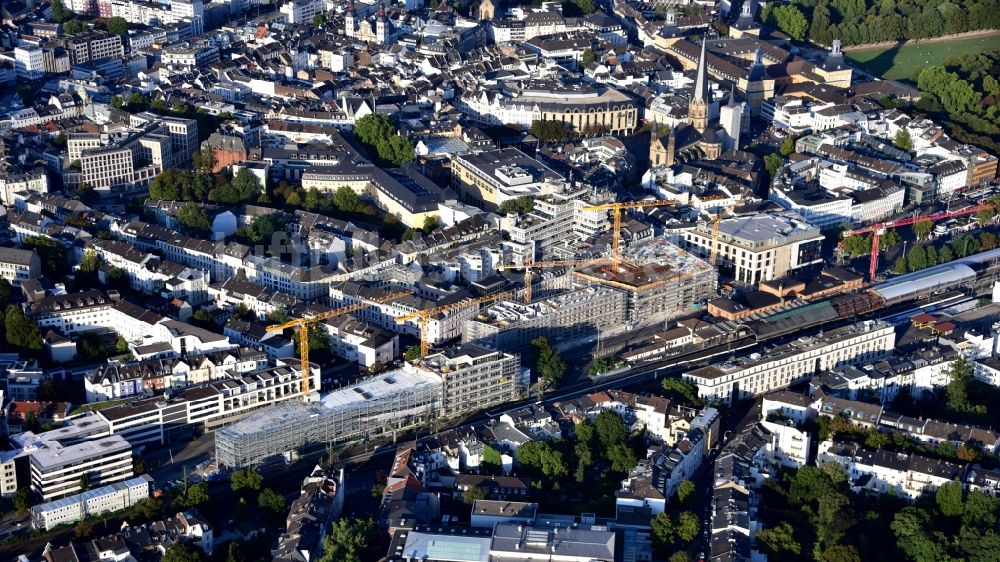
x: 106, y: 499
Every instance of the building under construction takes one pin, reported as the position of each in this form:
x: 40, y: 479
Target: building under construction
x: 667, y: 281
x: 571, y: 318
x: 377, y: 406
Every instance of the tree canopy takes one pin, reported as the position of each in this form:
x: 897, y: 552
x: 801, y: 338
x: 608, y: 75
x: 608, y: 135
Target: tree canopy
x: 548, y: 363
x: 378, y: 133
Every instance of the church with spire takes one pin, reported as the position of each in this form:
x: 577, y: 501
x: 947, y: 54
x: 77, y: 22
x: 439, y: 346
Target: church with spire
x: 698, y: 137
x: 379, y: 29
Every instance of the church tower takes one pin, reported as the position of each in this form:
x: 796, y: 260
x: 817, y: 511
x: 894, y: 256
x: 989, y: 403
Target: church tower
x: 380, y: 24
x: 349, y: 20
x: 698, y: 106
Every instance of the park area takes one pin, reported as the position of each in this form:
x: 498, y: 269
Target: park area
x: 901, y: 62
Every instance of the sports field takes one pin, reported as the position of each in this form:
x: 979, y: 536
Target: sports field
x: 901, y: 63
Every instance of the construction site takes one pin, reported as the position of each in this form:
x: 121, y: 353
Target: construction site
x: 377, y: 406
x: 659, y: 280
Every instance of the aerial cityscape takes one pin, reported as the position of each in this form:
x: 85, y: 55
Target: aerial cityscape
x: 499, y: 281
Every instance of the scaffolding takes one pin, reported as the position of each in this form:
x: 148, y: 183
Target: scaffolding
x: 380, y: 405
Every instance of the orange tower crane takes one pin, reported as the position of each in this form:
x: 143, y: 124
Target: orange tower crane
x: 423, y: 316
x: 616, y: 214
x: 303, y: 325
x: 529, y: 264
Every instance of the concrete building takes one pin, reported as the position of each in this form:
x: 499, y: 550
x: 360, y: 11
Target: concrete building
x: 781, y: 366
x: 106, y: 499
x: 552, y: 540
x: 360, y: 342
x: 906, y: 475
x: 760, y: 247
x: 18, y: 266
x: 473, y: 377
x: 568, y: 319
x: 93, y: 47
x: 491, y: 178
x: 58, y: 465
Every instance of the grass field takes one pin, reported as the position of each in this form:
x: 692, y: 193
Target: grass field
x: 901, y: 63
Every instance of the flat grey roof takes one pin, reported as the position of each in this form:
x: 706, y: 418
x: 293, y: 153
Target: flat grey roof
x: 944, y: 275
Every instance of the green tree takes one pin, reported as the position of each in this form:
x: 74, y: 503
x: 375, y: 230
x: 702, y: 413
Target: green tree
x: 987, y: 241
x: 610, y: 429
x: 412, y: 353
x: 549, y: 131
x: 541, y: 458
x: 348, y: 541
x: 841, y: 553
x: 492, y: 462
x: 472, y: 494
x: 583, y: 449
x: 272, y: 501
x: 521, y: 205
x: 887, y: 240
x: 430, y: 225
x: 319, y: 20
x: 780, y: 542
x: 22, y: 499
x: 916, y: 258
x: 346, y: 200
x: 197, y: 494
x: 922, y: 229
x: 246, y: 481
x: 548, y: 363
x: 903, y: 140
x: 981, y: 510
x: 59, y: 12
x: 6, y: 294
x: 788, y: 146
x: 22, y: 331
x: 680, y: 555
x: 682, y: 391
x: 772, y: 163
x: 856, y: 246
x: 117, y: 25
x: 959, y: 375
x: 52, y: 254
x: 931, y: 255
x: 377, y: 132
x: 194, y: 218
x: 623, y: 458
x: 247, y: 185
x: 75, y: 27
x: 946, y: 255
x: 911, y: 525
x: 83, y: 530
x: 182, y: 552
x: 662, y: 529
x: 949, y: 499
x: 687, y: 526
x: 686, y: 492
x: 588, y: 57
x: 788, y: 19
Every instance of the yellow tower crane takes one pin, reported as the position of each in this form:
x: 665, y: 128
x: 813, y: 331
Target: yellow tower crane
x: 423, y: 316
x: 529, y: 264
x: 616, y: 215
x: 303, y: 325
x: 714, y: 251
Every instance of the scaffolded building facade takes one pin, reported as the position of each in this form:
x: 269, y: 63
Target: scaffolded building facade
x: 380, y: 405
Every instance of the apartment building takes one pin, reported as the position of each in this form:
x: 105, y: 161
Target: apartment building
x: 191, y: 12
x: 360, y: 342
x: 94, y: 46
x: 473, y: 377
x: 115, y: 380
x: 781, y: 366
x: 57, y: 469
x: 17, y: 266
x: 758, y: 248
x: 556, y: 220
x: 105, y: 499
x: 29, y: 62
x: 158, y: 420
x: 123, y: 160
x: 906, y: 475
x: 183, y: 133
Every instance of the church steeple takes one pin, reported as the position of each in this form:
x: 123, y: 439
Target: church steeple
x: 698, y: 105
